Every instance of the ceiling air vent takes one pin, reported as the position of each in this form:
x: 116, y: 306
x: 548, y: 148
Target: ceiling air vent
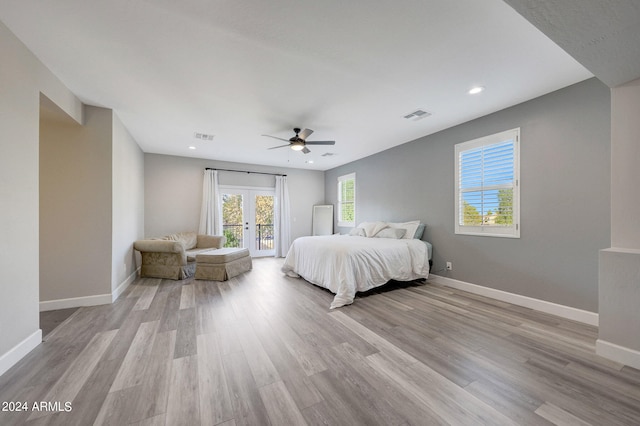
x: 417, y: 115
x: 328, y: 154
x: 203, y: 136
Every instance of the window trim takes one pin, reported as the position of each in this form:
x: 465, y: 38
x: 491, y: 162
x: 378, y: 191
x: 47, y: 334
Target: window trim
x: 341, y: 179
x: 512, y: 231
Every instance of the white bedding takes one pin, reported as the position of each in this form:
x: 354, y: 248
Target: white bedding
x: 347, y: 264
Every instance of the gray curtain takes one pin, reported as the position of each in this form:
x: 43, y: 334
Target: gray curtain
x: 211, y: 212
x: 282, y: 217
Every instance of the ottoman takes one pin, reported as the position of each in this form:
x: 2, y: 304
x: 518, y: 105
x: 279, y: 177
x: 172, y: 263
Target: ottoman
x: 222, y: 264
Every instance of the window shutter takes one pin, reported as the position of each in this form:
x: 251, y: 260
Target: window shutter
x: 347, y: 200
x: 487, y: 193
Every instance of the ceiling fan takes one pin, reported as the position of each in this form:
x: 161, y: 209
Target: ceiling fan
x: 299, y: 141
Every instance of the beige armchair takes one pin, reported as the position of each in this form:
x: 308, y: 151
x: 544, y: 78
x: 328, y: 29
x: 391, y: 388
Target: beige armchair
x: 174, y: 256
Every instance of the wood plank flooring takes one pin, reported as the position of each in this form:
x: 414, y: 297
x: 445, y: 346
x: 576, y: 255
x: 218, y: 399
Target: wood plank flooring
x: 49, y: 320
x: 265, y: 349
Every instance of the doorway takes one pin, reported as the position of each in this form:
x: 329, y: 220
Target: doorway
x: 247, y: 219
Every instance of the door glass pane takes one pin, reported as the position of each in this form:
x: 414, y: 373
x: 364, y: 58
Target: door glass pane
x: 264, y: 222
x: 232, y: 220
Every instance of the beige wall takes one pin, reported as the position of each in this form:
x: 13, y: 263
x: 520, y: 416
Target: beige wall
x: 128, y: 205
x: 91, y: 208
x: 173, y: 192
x: 22, y: 78
x: 75, y: 207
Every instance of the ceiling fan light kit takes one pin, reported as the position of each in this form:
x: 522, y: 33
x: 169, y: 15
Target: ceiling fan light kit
x: 299, y: 141
x: 297, y: 146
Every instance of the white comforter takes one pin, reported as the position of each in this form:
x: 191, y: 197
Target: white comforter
x: 346, y: 264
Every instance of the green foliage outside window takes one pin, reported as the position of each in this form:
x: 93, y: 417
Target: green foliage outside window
x: 505, y: 207
x: 233, y: 222
x: 231, y: 209
x: 503, y: 215
x: 471, y: 216
x: 347, y: 200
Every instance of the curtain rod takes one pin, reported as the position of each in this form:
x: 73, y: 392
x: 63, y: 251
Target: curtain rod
x: 245, y: 171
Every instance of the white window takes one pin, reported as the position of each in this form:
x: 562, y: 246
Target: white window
x: 487, y: 185
x: 347, y: 200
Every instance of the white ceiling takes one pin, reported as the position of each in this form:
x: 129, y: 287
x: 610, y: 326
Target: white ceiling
x: 603, y: 35
x: 350, y: 70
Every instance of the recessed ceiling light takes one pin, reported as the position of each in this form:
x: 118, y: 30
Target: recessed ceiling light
x: 192, y: 147
x: 309, y: 161
x: 476, y: 90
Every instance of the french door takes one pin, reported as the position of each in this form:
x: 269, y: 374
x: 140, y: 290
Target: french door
x: 247, y: 219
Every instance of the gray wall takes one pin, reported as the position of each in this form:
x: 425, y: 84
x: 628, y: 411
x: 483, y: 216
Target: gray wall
x: 625, y: 145
x: 127, y: 204
x: 22, y: 78
x: 565, y: 195
x: 173, y: 191
x: 620, y: 265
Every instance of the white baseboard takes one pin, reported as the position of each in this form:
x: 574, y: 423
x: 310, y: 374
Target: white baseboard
x: 27, y: 345
x: 98, y: 299
x: 563, y: 311
x: 124, y: 285
x: 75, y: 302
x: 618, y: 353
x: 15, y: 354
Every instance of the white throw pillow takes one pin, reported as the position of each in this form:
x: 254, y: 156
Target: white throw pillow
x: 409, y: 227
x: 394, y: 233
x: 372, y: 228
x: 357, y: 232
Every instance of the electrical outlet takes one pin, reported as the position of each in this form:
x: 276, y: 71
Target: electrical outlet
x: 449, y: 266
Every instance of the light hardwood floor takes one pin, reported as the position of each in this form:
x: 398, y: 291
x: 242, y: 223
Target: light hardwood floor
x: 265, y: 349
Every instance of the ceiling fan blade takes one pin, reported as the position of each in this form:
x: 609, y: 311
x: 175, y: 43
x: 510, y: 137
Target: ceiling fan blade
x: 304, y: 134
x: 305, y: 150
x: 274, y: 137
x: 320, y: 142
x: 279, y: 146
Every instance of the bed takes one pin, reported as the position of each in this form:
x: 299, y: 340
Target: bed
x: 347, y: 264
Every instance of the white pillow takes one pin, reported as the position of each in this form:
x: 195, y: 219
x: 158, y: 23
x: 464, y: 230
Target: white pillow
x: 357, y: 232
x: 395, y: 233
x: 409, y: 227
x: 372, y: 228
